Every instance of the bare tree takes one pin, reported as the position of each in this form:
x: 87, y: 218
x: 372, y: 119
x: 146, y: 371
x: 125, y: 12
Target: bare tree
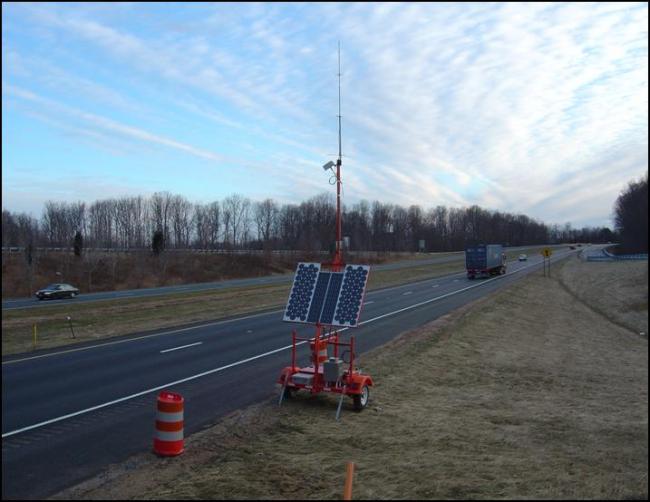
x: 201, y: 224
x: 160, y: 206
x: 236, y: 217
x: 213, y: 214
x: 180, y: 219
x: 356, y: 225
x: 265, y: 214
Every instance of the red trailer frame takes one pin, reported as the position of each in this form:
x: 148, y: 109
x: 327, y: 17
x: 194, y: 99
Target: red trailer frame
x: 352, y: 382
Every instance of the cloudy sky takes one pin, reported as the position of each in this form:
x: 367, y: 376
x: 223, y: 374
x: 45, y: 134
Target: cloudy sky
x: 540, y: 109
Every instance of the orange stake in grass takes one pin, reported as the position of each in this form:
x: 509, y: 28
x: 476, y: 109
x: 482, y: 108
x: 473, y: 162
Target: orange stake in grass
x: 347, y: 491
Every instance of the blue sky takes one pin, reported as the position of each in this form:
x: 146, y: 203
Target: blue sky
x: 540, y: 109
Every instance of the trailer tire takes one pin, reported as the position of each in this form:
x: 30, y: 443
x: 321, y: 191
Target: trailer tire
x: 288, y: 393
x: 361, y: 400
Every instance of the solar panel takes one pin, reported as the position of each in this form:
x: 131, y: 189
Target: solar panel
x: 349, y: 302
x: 330, y: 298
x: 302, y: 291
x: 319, y: 297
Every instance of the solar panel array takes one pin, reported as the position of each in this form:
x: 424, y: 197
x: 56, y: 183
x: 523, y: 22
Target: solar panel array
x: 331, y: 298
x: 348, y: 306
x: 301, y: 292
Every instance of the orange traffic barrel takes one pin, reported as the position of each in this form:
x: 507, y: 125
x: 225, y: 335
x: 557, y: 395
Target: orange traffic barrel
x: 322, y: 350
x: 168, y: 440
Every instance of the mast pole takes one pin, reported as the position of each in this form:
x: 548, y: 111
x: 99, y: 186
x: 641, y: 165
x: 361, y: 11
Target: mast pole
x: 338, y: 260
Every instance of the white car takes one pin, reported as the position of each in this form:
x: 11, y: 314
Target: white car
x: 523, y: 257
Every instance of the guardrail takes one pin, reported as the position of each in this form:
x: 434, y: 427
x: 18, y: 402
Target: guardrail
x: 607, y: 256
x: 599, y: 258
x: 634, y: 256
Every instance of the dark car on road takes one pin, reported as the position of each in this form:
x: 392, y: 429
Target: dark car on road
x: 57, y: 291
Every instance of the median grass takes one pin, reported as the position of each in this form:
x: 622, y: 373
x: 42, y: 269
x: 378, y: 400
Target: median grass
x: 530, y: 393
x: 106, y: 319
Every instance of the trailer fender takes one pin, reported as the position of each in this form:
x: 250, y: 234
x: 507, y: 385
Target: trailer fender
x: 286, y: 372
x: 357, y: 382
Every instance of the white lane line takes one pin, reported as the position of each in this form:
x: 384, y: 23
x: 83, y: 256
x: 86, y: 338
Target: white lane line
x: 232, y: 320
x: 435, y: 285
x: 243, y: 361
x: 368, y: 303
x: 456, y: 280
x: 141, y: 337
x: 148, y: 391
x: 182, y: 347
x: 193, y: 327
x: 407, y: 293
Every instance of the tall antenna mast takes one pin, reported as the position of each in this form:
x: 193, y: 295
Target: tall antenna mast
x: 338, y: 258
x: 339, y: 75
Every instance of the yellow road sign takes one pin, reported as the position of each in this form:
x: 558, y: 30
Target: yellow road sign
x: 547, y: 252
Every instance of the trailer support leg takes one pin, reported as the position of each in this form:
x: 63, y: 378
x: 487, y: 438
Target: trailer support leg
x: 338, y: 410
x: 284, y: 387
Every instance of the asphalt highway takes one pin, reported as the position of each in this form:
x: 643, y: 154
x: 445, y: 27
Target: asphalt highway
x: 21, y: 303
x: 69, y: 413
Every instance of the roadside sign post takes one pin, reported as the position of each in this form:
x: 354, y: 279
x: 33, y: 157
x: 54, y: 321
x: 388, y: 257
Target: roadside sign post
x: 546, y: 253
x: 70, y: 323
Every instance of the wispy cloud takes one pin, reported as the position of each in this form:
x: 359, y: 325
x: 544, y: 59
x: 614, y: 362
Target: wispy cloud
x: 110, y: 125
x: 537, y: 108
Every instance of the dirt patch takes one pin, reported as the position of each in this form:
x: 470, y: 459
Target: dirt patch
x: 531, y: 393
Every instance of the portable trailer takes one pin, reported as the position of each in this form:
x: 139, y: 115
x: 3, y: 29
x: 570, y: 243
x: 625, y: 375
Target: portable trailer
x: 327, y: 374
x: 327, y: 299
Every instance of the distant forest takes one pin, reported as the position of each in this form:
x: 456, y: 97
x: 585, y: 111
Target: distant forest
x: 236, y: 222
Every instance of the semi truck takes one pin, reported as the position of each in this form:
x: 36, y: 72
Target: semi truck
x: 485, y: 260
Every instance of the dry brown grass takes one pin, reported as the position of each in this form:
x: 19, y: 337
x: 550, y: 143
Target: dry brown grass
x: 102, y: 320
x: 618, y: 290
x: 99, y: 271
x: 528, y: 394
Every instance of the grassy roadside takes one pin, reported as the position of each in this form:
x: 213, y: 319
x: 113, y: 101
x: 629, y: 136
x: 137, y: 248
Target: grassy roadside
x: 99, y: 320
x: 496, y: 400
x: 623, y: 301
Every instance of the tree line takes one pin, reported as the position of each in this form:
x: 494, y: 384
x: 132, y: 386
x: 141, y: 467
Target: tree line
x: 631, y: 216
x: 237, y: 222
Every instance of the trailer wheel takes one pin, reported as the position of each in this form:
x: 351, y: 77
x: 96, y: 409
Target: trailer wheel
x: 288, y: 392
x: 361, y: 400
